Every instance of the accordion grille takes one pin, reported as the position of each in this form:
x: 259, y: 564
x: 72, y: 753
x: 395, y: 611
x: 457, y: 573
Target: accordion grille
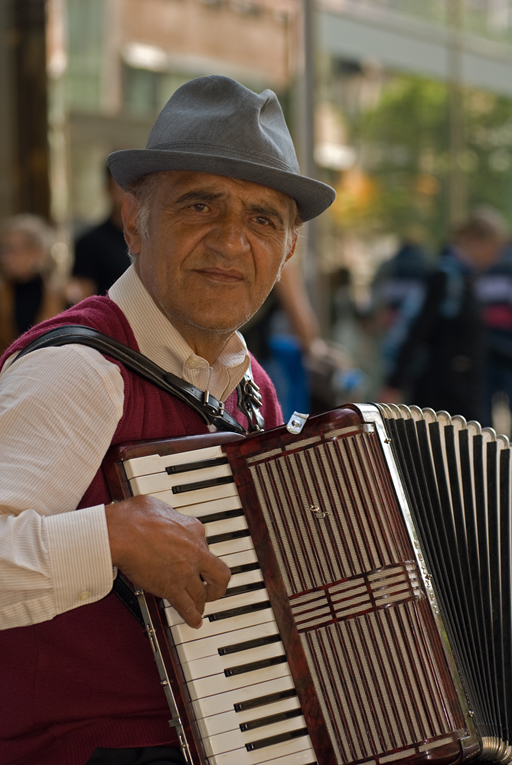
x: 357, y: 599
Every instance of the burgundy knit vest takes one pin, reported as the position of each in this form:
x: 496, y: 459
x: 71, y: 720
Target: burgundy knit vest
x: 87, y: 678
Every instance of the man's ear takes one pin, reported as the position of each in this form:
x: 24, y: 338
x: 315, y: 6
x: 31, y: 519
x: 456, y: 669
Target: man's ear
x: 129, y: 212
x: 292, y: 246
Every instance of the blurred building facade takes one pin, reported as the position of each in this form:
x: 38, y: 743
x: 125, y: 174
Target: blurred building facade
x: 114, y: 63
x: 82, y: 78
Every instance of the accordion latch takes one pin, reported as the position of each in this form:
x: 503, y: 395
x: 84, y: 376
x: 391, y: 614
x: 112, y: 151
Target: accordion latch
x: 296, y: 422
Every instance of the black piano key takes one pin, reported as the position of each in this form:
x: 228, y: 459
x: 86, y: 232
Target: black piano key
x: 244, y: 567
x: 189, y: 466
x: 260, y: 722
x: 248, y: 644
x: 222, y: 516
x: 273, y: 740
x: 261, y: 701
x: 241, y: 588
x: 208, y: 484
x: 232, y: 612
x: 216, y: 538
x: 254, y: 665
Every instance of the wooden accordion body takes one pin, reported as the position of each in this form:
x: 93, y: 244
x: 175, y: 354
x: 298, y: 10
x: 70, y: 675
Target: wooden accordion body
x: 368, y: 619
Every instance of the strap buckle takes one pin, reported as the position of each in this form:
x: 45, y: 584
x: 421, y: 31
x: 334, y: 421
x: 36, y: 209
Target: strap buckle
x: 213, y: 405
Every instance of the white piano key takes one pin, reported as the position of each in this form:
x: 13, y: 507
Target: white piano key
x: 225, y: 701
x: 224, y: 604
x: 225, y: 526
x: 213, y: 665
x: 239, y: 559
x: 235, y: 601
x: 231, y: 546
x: 199, y: 649
x: 224, y: 742
x: 304, y: 757
x: 214, y: 493
x: 201, y: 687
x: 149, y: 484
x: 182, y: 633
x: 221, y: 723
x: 212, y: 506
x: 297, y: 746
x: 245, y: 577
x: 155, y: 463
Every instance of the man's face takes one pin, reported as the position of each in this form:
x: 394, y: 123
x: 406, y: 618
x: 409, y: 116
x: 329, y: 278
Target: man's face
x: 214, y: 249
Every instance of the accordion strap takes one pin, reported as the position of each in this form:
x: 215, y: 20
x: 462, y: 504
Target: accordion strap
x: 202, y: 402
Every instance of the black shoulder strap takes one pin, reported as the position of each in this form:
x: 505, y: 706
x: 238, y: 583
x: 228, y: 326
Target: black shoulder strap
x: 202, y: 402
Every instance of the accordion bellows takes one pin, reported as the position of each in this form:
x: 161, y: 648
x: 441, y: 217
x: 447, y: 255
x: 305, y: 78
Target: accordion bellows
x: 368, y: 619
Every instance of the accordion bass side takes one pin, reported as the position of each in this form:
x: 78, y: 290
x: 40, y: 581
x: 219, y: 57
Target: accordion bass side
x: 368, y: 618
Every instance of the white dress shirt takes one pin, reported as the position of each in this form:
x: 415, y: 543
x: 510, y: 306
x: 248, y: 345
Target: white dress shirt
x: 59, y: 408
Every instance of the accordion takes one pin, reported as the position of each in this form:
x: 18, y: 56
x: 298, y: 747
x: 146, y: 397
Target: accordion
x: 368, y: 617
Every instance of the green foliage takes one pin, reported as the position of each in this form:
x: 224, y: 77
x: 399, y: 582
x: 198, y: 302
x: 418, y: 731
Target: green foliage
x: 404, y: 149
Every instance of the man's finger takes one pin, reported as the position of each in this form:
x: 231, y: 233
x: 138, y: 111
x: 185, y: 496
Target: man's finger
x: 216, y: 576
x: 187, y: 609
x: 197, y: 590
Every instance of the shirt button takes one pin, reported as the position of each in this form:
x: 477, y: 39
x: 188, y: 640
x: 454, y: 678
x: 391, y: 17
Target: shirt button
x: 193, y: 363
x: 85, y: 595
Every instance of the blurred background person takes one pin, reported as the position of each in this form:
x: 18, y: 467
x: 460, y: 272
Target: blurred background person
x: 493, y: 288
x: 28, y: 291
x: 400, y: 279
x: 284, y: 335
x: 280, y: 333
x: 101, y: 254
x: 443, y: 362
x: 397, y: 290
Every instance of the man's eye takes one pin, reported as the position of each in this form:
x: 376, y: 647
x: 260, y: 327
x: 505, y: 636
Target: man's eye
x: 200, y: 206
x: 263, y: 221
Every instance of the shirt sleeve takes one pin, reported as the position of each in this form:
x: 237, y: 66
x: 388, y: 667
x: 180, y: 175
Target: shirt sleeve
x: 59, y: 408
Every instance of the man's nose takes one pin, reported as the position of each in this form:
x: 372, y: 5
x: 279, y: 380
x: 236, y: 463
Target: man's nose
x: 229, y: 235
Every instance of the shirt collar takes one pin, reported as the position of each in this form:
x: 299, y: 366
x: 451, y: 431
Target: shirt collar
x: 160, y: 341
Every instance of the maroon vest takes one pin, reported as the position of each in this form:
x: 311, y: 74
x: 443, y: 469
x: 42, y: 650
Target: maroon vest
x: 87, y: 678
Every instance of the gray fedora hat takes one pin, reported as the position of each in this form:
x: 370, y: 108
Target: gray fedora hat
x: 216, y: 125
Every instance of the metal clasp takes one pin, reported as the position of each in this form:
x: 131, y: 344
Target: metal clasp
x: 296, y: 422
x: 216, y: 408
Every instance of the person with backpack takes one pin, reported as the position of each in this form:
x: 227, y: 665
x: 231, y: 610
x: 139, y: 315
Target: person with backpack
x: 442, y: 362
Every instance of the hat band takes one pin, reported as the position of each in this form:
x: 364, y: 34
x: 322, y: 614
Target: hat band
x: 217, y: 150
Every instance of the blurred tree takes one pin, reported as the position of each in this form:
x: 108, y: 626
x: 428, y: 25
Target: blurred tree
x: 403, y: 149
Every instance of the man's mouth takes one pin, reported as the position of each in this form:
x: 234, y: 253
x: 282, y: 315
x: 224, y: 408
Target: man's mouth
x: 231, y: 276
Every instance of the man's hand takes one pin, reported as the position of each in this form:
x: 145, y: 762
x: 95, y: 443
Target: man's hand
x: 165, y: 553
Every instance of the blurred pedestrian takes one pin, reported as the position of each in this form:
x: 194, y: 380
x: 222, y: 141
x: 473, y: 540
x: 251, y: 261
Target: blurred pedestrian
x: 397, y: 290
x: 493, y: 288
x: 443, y: 361
x: 284, y: 335
x: 28, y: 293
x: 399, y: 279
x: 101, y: 254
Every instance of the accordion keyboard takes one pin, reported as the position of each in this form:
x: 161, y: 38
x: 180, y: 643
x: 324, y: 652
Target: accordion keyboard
x: 235, y: 667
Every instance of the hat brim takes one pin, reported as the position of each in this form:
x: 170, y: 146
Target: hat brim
x: 312, y: 197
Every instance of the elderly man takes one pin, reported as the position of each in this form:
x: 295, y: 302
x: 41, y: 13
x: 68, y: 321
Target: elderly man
x: 210, y: 218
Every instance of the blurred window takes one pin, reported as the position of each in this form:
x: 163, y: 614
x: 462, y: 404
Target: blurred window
x: 85, y: 31
x: 141, y: 89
